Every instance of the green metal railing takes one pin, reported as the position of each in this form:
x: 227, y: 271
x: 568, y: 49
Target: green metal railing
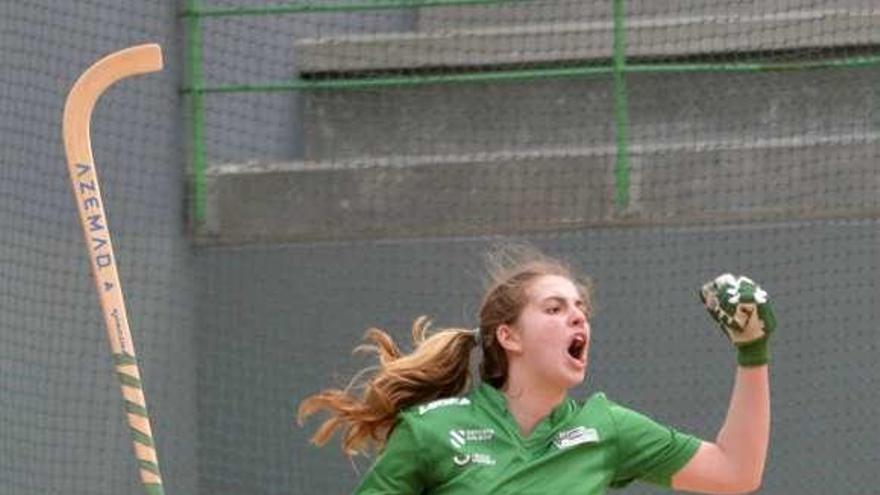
x: 195, y: 79
x: 621, y: 112
x: 618, y: 68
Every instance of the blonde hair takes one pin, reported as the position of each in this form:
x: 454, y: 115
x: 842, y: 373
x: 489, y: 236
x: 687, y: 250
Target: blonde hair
x: 438, y: 365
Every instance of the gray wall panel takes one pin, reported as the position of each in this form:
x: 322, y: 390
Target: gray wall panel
x: 62, y: 427
x: 278, y: 324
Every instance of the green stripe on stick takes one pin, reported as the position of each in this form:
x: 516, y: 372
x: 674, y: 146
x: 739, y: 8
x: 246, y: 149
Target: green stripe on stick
x: 154, y: 489
x: 123, y: 359
x: 135, y: 409
x: 141, y: 437
x: 128, y: 380
x: 149, y: 466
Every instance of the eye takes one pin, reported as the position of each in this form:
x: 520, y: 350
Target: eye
x: 552, y: 310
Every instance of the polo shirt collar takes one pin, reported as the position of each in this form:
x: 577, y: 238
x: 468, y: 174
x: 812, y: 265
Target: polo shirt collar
x: 543, y: 431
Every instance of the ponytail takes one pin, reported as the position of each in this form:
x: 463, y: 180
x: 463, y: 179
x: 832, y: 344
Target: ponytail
x: 437, y: 368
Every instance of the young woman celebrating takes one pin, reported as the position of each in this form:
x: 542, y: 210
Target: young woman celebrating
x: 518, y: 432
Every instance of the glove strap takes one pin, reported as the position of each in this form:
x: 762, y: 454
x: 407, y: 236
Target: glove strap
x: 753, y: 354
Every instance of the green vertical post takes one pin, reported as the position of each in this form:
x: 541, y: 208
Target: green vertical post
x: 197, y: 112
x: 621, y: 169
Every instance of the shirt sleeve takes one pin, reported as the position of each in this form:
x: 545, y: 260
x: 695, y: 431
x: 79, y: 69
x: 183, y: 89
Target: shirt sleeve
x: 399, y: 468
x: 647, y: 450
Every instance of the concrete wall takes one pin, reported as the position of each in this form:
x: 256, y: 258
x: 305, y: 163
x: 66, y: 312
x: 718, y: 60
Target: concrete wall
x: 400, y: 189
x: 241, y: 50
x: 279, y: 324
x: 444, y: 159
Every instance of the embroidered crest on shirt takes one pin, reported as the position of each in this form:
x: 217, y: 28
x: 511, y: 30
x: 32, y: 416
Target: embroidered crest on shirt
x: 465, y: 459
x: 575, y: 436
x: 458, y: 438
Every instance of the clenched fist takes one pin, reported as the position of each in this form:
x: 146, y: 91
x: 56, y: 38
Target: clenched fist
x: 743, y: 311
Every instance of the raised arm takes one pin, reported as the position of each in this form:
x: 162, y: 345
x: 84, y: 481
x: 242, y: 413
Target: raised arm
x: 734, y: 463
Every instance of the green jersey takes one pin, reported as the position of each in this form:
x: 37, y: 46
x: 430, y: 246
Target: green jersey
x: 472, y: 445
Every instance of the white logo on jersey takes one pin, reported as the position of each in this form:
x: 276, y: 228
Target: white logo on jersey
x: 465, y: 459
x: 452, y: 401
x: 458, y: 438
x: 575, y: 436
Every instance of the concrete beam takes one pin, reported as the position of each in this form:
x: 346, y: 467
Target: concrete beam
x: 582, y: 40
x: 571, y: 113
x: 543, y: 190
x: 522, y: 12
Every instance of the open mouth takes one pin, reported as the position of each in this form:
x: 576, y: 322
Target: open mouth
x: 577, y: 349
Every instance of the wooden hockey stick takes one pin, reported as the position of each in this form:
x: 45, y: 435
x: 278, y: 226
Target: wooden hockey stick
x: 84, y: 179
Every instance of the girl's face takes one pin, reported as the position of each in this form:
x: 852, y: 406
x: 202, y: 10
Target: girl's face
x: 553, y: 333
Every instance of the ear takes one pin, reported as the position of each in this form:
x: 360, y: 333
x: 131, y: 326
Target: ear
x: 509, y: 339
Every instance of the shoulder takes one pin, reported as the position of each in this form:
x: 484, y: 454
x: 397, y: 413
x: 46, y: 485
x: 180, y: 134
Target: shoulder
x: 610, y: 417
x: 436, y: 414
x: 434, y: 431
x: 597, y: 410
x: 440, y: 407
x: 598, y: 398
x: 634, y: 428
x: 600, y: 403
x: 597, y: 405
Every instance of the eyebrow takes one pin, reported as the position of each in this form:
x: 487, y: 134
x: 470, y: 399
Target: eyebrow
x: 563, y: 300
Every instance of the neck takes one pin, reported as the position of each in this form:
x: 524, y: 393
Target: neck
x: 530, y: 403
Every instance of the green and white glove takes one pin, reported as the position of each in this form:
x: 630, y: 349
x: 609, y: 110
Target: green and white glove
x: 743, y: 311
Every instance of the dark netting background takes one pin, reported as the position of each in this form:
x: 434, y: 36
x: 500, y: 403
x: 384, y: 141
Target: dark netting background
x: 301, y: 172
x: 62, y: 427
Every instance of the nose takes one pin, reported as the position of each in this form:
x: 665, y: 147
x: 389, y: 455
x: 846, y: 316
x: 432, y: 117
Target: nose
x: 577, y: 318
